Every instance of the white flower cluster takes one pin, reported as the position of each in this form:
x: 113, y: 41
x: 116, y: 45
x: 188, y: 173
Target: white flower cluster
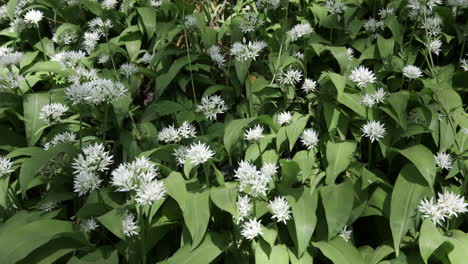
x: 87, y: 166
x: 147, y: 58
x: 95, y: 92
x: 244, y: 207
x: 109, y: 4
x: 253, y: 181
x: 345, y: 234
x: 335, y: 7
x: 128, y: 69
x: 435, y: 46
x: 422, y: 8
x: 11, y: 80
x: 289, y: 77
x: 68, y: 59
x: 53, y: 112
x: 5, y: 166
x: 309, y: 85
x: 284, y: 118
x: 443, y: 160
x: 171, y: 134
x: 255, y: 133
x: 370, y: 100
x: 362, y: 76
x: 374, y: 130
x: 65, y: 137
x: 433, y: 25
x: 350, y: 53
x: 190, y: 21
x: 268, y: 4
x: 309, y: 138
x: 89, y: 224
x: 212, y: 106
x: 280, y: 209
x: 464, y: 64
x: 251, y: 229
x: 156, y: 3
x: 216, y: 55
x: 33, y: 16
x: 250, y: 22
x: 8, y: 57
x: 129, y: 226
x: 245, y: 51
x: 412, y: 72
x: 65, y: 38
x: 47, y: 206
x: 386, y: 12
x: 90, y: 40
x: 81, y: 75
x: 100, y: 26
x: 447, y: 205
x: 372, y: 25
x: 199, y: 153
x: 139, y: 176
x: 300, y: 30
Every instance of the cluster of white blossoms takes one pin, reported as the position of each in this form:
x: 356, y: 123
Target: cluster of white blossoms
x: 139, y: 176
x: 309, y: 85
x: 433, y: 26
x: 244, y: 207
x: 211, y: 106
x: 65, y: 38
x: 245, y: 51
x: 11, y: 80
x: 100, y: 26
x: 268, y: 4
x: 255, y: 133
x: 345, y: 234
x: 53, y: 112
x: 289, y: 77
x: 90, y: 40
x: 216, y: 55
x: 197, y: 153
x: 300, y: 30
x: 447, y: 205
x: 422, y: 8
x: 128, y: 69
x: 5, y: 166
x: 362, y: 76
x: 280, y: 209
x: 89, y: 224
x: 309, y: 138
x: 298, y: 55
x: 156, y: 3
x: 95, y: 92
x: 190, y: 21
x: 61, y: 138
x: 47, y: 206
x: 443, y: 160
x: 171, y: 134
x: 129, y: 226
x: 370, y: 100
x: 464, y: 64
x: 109, y: 4
x: 147, y: 58
x: 386, y: 12
x: 374, y: 130
x: 284, y: 118
x: 253, y: 181
x: 411, y: 72
x: 87, y: 166
x: 68, y: 59
x: 33, y: 16
x: 335, y: 7
x: 81, y: 75
x: 435, y: 46
x: 350, y: 53
x: 8, y: 57
x: 250, y: 22
x: 251, y: 229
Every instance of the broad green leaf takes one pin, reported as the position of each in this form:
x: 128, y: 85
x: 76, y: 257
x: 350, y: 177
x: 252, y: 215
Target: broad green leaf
x: 225, y: 198
x: 148, y: 17
x: 32, y: 107
x: 305, y: 259
x: 121, y: 108
x: 262, y: 251
x: 338, y: 204
x: 430, y: 239
x: 113, y: 222
x: 380, y: 253
x: 17, y: 243
x: 289, y: 172
x: 354, y: 102
x: 196, y: 215
x: 212, y: 246
x: 340, y: 251
x: 385, y: 46
x: 303, y: 207
x: 234, y: 130
x: 294, y: 130
x: 339, y: 81
x: 409, y: 189
x: 175, y: 186
x: 423, y: 159
x: 399, y: 102
x: 279, y: 255
x: 459, y: 253
x: 339, y: 156
x: 163, y: 80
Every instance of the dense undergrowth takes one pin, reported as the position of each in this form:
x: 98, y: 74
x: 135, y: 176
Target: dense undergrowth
x: 265, y: 131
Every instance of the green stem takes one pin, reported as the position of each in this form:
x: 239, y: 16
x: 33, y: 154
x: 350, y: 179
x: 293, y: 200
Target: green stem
x: 80, y: 131
x: 207, y: 177
x: 190, y: 65
x: 111, y: 55
x: 106, y: 113
x: 281, y: 46
x: 369, y: 152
